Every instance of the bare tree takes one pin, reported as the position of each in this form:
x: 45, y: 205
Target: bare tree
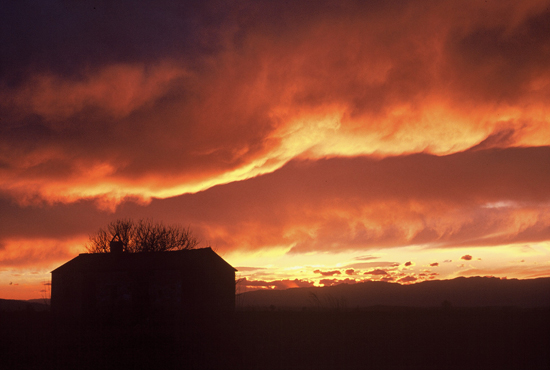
x: 142, y: 236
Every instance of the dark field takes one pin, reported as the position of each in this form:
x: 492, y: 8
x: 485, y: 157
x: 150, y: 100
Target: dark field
x: 384, y: 338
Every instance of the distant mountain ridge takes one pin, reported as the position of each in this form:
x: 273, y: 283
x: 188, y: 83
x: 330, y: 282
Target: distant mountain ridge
x: 458, y: 292
x: 10, y: 305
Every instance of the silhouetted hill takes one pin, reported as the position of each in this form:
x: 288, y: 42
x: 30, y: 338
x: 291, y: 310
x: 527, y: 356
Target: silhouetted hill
x: 44, y: 301
x: 459, y: 292
x: 10, y: 305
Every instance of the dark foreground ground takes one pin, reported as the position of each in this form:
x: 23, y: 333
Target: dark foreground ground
x: 496, y: 338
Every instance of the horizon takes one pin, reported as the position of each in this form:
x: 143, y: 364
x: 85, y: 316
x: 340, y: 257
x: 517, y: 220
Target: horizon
x: 309, y: 144
x: 268, y: 289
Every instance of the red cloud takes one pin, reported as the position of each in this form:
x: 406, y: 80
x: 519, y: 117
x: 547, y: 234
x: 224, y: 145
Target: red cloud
x: 408, y: 263
x: 407, y: 279
x: 246, y: 285
x: 327, y: 273
x: 434, y: 264
x: 466, y: 257
x: 333, y: 282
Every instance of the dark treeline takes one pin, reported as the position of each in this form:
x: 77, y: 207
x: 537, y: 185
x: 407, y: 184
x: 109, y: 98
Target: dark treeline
x: 398, y: 338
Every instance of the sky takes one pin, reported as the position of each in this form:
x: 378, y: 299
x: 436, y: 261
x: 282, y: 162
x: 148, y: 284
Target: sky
x: 307, y: 143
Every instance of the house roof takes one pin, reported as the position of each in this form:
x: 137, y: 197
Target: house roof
x: 172, y: 260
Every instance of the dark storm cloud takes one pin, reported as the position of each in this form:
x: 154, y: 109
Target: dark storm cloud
x: 487, y: 52
x: 65, y: 37
x: 73, y: 73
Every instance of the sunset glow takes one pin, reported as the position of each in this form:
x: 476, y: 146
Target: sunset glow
x: 306, y: 143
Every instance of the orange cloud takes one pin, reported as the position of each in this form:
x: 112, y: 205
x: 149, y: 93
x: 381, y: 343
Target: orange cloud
x: 20, y: 253
x: 376, y: 272
x: 326, y: 127
x: 117, y: 89
x: 246, y: 285
x: 516, y: 271
x: 366, y: 203
x: 334, y: 83
x: 407, y: 279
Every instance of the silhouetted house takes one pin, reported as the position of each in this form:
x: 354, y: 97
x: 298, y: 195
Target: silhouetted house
x: 153, y: 286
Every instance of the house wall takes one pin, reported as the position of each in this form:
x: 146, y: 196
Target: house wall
x: 208, y: 291
x: 132, y: 296
x: 144, y: 295
x: 66, y: 296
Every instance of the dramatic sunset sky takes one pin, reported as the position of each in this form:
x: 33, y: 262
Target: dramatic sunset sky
x: 308, y: 143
